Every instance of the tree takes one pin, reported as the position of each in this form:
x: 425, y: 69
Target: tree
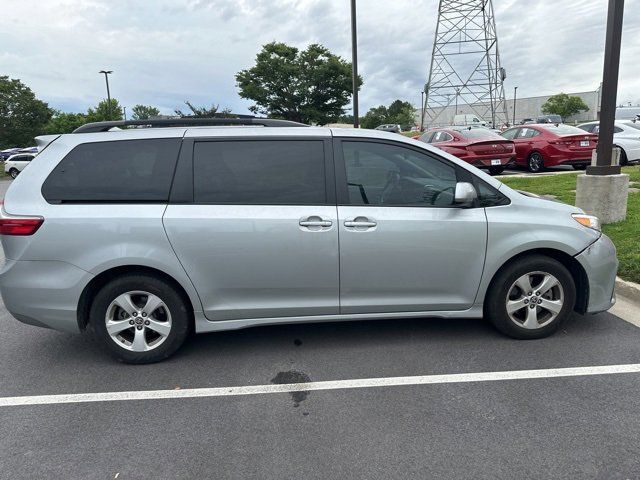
x: 22, y: 115
x: 308, y: 86
x: 63, y: 122
x: 399, y: 112
x: 144, y: 112
x: 204, y: 112
x: 102, y: 111
x: 564, y: 105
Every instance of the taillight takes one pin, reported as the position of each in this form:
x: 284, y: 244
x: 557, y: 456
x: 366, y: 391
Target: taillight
x: 18, y: 225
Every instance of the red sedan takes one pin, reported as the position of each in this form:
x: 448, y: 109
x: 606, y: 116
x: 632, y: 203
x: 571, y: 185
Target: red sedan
x: 547, y: 145
x: 480, y: 147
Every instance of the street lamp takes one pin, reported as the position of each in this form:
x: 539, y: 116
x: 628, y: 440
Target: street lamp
x: 106, y: 79
x: 422, y: 111
x: 457, y: 93
x: 354, y: 63
x: 515, y: 91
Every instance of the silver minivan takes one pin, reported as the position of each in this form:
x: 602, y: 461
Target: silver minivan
x: 143, y: 235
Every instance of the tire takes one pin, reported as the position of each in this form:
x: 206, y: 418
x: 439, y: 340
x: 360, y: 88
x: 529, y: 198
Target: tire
x: 579, y: 167
x: 623, y: 158
x: 135, y: 335
x: 496, y: 170
x: 506, y: 289
x: 13, y: 173
x: 535, y: 162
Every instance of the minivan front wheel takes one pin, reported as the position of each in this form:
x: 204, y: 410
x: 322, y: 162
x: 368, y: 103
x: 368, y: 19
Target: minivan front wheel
x: 531, y: 298
x: 139, y: 318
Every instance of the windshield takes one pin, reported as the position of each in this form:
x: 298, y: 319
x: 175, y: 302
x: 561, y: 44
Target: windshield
x: 564, y: 130
x: 633, y: 125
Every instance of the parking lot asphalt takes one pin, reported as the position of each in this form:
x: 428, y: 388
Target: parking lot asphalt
x: 567, y: 427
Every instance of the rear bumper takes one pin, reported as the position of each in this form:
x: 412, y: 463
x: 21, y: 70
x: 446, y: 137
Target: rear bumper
x: 601, y: 265
x: 484, y: 161
x: 43, y: 293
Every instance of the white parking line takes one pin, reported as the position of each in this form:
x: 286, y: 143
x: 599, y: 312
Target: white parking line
x: 315, y: 386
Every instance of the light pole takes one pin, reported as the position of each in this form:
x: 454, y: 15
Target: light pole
x: 609, y: 89
x: 422, y: 111
x: 515, y: 91
x: 457, y: 93
x: 354, y: 64
x: 106, y: 79
x: 124, y: 112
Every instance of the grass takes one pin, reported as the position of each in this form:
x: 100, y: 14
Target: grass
x: 625, y: 235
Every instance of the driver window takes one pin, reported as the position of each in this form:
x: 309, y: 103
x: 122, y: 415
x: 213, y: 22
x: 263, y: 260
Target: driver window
x: 391, y: 175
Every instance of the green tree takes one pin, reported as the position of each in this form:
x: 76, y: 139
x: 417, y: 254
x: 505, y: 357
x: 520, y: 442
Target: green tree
x: 399, y: 112
x: 63, y: 122
x: 102, y: 112
x: 143, y: 112
x: 204, y: 112
x: 564, y: 105
x: 375, y: 116
x: 308, y: 86
x: 22, y: 115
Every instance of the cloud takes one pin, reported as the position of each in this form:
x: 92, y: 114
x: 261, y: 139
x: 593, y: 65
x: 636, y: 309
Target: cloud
x: 166, y: 51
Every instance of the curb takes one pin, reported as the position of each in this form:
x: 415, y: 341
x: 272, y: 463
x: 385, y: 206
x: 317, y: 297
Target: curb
x: 629, y: 290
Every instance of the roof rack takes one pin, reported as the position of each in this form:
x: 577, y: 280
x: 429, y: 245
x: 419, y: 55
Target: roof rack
x: 185, y: 122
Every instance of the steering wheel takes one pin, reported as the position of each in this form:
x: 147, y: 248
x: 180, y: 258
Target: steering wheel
x: 439, y: 194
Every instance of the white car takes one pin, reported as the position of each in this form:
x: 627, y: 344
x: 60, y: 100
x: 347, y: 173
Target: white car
x: 626, y: 136
x: 16, y: 163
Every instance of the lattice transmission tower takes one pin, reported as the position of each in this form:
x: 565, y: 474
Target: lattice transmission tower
x: 465, y: 66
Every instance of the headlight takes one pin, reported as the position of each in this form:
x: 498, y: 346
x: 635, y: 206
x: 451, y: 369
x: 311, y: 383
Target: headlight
x: 588, y: 221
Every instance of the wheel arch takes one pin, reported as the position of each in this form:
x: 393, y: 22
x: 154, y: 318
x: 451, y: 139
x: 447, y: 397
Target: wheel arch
x: 570, y: 263
x: 100, y: 280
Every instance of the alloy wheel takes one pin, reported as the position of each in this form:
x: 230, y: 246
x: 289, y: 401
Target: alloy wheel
x: 534, y: 300
x: 536, y: 162
x: 138, y: 321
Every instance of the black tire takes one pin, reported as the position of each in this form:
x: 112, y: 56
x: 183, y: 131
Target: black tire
x: 497, y: 296
x: 623, y: 158
x: 13, y: 173
x: 535, y: 162
x: 179, y: 314
x: 496, y: 170
x: 579, y: 166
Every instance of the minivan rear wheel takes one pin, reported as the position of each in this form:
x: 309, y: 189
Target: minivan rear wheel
x: 139, y: 318
x: 14, y: 173
x: 531, y: 298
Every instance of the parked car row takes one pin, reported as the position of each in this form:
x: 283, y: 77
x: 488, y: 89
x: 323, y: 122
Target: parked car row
x: 16, y: 163
x: 534, y: 146
x: 5, y: 154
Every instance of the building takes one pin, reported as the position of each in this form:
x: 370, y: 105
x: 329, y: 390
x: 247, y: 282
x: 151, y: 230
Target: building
x: 527, y: 107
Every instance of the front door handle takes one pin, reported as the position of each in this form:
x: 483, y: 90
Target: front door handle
x: 360, y: 222
x: 315, y: 221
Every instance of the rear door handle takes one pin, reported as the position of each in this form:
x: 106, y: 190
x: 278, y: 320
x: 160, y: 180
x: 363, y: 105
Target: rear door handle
x: 360, y: 222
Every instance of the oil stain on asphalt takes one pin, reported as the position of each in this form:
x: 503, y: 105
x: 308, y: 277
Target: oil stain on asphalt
x: 293, y: 376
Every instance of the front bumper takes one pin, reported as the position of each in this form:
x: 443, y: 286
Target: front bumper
x: 601, y: 266
x: 43, y: 293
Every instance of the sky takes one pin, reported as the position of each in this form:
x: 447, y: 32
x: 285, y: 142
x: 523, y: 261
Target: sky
x: 163, y: 52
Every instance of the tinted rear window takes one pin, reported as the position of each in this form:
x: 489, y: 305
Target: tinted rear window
x: 259, y: 172
x: 124, y: 171
x: 479, y: 134
x: 564, y: 130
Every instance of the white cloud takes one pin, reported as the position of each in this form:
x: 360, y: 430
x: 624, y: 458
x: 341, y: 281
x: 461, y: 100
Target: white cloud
x: 166, y: 51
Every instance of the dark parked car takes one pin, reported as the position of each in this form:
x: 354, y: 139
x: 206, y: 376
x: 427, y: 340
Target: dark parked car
x: 549, y: 119
x: 4, y: 154
x: 547, y: 145
x: 481, y: 147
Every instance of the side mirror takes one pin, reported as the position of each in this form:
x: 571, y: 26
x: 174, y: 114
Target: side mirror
x: 465, y: 194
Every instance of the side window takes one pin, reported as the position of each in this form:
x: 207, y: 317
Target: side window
x: 391, y: 175
x: 489, y: 196
x: 531, y: 133
x: 427, y: 137
x: 259, y: 172
x: 524, y: 133
x: 617, y: 129
x: 123, y: 171
x: 509, y: 134
x: 441, y: 137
